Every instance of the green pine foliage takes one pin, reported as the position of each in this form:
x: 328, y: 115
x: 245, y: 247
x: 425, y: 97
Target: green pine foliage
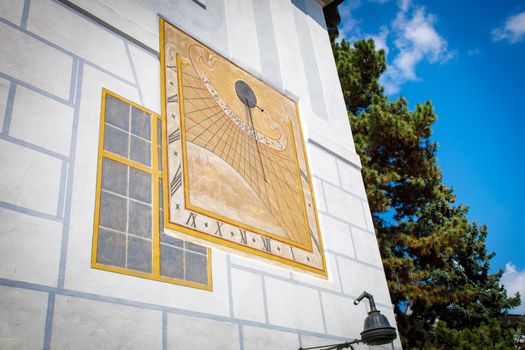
x: 435, y: 259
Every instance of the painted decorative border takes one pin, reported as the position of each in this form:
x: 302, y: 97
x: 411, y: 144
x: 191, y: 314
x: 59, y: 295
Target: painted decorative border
x: 205, y: 227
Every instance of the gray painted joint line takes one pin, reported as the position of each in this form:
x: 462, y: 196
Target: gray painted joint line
x: 25, y: 14
x: 33, y: 147
x: 350, y: 229
x: 265, y: 300
x: 91, y: 17
x: 230, y: 294
x: 62, y: 191
x: 362, y: 228
x: 339, y: 187
x: 72, y: 84
x: 34, y: 88
x: 200, y: 4
x: 334, y: 154
x: 133, y: 71
x: 9, y: 108
x: 241, y: 337
x: 366, y: 208
x: 339, y: 176
x: 48, y: 330
x: 29, y: 211
x: 164, y: 330
x: 158, y: 307
x: 339, y: 274
x: 69, y: 183
x: 322, y: 313
x: 65, y: 52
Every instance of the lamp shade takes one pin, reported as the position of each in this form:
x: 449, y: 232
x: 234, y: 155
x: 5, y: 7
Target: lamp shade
x: 377, y: 329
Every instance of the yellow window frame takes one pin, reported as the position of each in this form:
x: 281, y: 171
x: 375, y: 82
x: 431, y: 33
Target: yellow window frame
x: 156, y: 177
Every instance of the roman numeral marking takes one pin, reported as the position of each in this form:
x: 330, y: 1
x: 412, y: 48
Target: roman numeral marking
x: 176, y: 182
x: 173, y: 98
x: 191, y: 220
x: 172, y: 67
x: 291, y: 250
x: 314, y: 239
x: 304, y: 176
x: 244, y: 239
x: 266, y: 244
x: 174, y: 136
x: 218, y: 230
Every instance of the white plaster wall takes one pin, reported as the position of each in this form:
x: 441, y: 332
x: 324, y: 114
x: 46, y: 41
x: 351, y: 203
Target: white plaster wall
x: 53, y: 64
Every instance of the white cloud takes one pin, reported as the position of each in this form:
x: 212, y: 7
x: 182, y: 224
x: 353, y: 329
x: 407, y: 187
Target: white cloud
x: 349, y: 27
x: 380, y: 39
x: 416, y: 40
x: 473, y: 52
x: 513, y: 30
x: 404, y: 5
x: 514, y: 281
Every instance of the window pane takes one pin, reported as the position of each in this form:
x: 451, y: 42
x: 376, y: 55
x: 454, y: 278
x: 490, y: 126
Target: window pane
x: 139, y: 254
x: 140, y: 123
x: 111, y: 248
x: 140, y: 185
x: 196, y: 267
x: 117, y: 113
x: 171, y: 262
x: 114, y: 177
x: 140, y: 151
x: 116, y: 141
x: 113, y: 212
x: 139, y: 219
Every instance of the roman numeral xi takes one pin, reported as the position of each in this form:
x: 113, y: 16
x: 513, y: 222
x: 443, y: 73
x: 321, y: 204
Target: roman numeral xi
x: 176, y: 182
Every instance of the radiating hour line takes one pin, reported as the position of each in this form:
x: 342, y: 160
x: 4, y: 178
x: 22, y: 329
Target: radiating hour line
x: 247, y: 156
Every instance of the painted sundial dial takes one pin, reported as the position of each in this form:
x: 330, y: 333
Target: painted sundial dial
x: 237, y: 169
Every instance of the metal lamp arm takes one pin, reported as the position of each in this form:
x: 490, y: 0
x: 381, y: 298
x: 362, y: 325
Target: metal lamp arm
x: 370, y: 298
x: 334, y: 346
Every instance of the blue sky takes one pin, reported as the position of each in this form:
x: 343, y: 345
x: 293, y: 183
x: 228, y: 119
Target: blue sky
x: 468, y: 58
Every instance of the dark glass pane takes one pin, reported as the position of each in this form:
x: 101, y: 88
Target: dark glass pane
x: 140, y: 123
x: 195, y: 247
x: 140, y: 151
x: 114, y: 177
x: 117, y: 113
x: 113, y: 212
x: 171, y: 262
x: 116, y: 141
x: 196, y: 267
x: 139, y: 219
x: 140, y: 185
x: 111, y: 249
x: 139, y: 254
x: 164, y: 238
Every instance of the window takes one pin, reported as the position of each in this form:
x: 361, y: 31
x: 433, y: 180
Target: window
x: 129, y: 235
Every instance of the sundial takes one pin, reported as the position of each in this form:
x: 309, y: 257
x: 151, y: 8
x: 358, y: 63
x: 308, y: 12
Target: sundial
x: 237, y: 168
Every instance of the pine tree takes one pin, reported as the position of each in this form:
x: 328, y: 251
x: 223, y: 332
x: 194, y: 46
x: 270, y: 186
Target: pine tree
x: 435, y: 259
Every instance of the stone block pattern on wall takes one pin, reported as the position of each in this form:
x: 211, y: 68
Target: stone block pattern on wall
x: 49, y: 296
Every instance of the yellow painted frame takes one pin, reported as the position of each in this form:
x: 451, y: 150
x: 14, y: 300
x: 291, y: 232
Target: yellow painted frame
x: 156, y: 176
x: 308, y: 247
x: 203, y: 236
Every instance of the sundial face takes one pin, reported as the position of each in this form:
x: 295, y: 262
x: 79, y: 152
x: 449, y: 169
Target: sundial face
x: 237, y: 169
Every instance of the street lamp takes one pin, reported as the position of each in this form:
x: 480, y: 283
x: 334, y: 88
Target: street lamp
x: 376, y: 330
